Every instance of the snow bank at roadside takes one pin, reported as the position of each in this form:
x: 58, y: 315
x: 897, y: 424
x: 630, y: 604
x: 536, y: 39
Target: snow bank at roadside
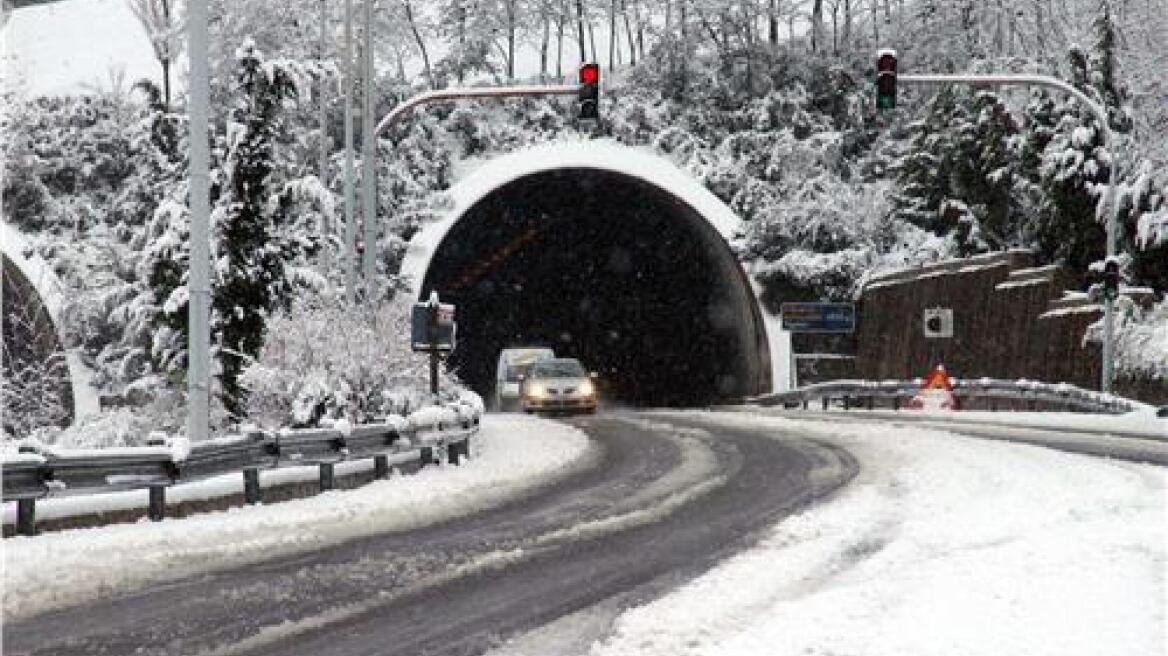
x: 512, y: 454
x: 943, y: 545
x: 1143, y: 422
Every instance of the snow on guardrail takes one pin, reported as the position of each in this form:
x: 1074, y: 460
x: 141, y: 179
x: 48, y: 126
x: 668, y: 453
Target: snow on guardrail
x: 860, y: 393
x: 37, y: 470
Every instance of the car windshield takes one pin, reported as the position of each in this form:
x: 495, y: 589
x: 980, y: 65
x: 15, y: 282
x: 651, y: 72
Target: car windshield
x: 517, y: 372
x: 557, y: 369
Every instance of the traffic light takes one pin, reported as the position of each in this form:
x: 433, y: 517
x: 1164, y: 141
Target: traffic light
x: 1111, y: 280
x: 590, y: 91
x: 886, y: 79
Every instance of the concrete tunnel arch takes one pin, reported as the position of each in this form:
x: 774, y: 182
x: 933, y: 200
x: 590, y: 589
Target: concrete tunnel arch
x: 28, y: 285
x: 521, y: 215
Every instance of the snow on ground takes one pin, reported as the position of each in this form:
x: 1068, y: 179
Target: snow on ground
x: 1144, y: 423
x: 943, y: 545
x: 512, y: 454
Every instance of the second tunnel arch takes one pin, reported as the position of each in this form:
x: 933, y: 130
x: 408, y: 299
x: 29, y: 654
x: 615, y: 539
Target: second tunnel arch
x: 648, y: 290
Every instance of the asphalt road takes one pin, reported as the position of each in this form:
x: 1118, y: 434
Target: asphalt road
x: 659, y: 506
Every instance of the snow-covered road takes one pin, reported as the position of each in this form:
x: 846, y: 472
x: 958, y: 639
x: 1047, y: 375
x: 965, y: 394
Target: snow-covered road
x: 69, y: 567
x: 942, y: 545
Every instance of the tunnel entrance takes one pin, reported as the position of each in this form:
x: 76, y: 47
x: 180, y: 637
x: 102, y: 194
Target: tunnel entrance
x: 612, y: 270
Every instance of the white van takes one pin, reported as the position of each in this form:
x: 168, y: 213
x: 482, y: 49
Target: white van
x: 513, y: 365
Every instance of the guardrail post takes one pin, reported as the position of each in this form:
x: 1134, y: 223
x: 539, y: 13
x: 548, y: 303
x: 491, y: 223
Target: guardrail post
x: 26, y: 517
x: 381, y: 466
x: 327, y: 479
x: 427, y: 455
x: 156, y: 509
x: 252, y: 493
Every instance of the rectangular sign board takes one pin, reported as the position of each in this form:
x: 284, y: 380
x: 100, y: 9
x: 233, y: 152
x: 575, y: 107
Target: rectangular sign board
x: 420, y: 327
x: 819, y: 317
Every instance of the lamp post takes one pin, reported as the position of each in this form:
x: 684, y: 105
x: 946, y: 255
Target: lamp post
x: 199, y: 279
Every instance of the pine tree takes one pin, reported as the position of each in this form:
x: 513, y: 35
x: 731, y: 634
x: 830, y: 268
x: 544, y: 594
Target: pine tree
x: 1074, y: 166
x: 924, y: 175
x: 249, y: 261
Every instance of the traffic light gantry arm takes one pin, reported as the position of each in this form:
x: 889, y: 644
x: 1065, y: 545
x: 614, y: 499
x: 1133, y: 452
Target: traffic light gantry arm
x: 448, y: 95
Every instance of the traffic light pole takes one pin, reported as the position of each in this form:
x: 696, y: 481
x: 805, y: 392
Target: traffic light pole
x: 1111, y: 200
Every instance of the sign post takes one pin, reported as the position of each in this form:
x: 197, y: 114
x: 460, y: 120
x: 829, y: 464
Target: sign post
x: 815, y: 318
x: 432, y: 330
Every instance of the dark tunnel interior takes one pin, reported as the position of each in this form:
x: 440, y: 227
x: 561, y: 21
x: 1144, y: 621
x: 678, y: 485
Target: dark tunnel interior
x: 608, y: 269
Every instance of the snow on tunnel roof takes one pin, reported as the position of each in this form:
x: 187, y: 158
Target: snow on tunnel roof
x: 602, y: 155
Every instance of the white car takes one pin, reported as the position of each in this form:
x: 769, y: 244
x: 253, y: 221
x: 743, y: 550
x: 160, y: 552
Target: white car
x: 559, y: 385
x: 514, y: 364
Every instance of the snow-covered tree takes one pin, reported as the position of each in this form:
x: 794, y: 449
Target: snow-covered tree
x: 249, y: 259
x: 309, y: 371
x: 165, y: 24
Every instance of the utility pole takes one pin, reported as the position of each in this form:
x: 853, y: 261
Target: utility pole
x: 350, y: 224
x: 368, y: 174
x: 199, y: 279
x: 1111, y: 204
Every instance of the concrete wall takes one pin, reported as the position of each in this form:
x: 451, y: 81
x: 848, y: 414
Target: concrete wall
x: 1011, y: 321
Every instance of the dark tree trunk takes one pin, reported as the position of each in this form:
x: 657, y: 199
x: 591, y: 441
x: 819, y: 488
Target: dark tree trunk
x: 816, y: 25
x: 629, y: 34
x: 543, y: 48
x: 166, y: 62
x: 421, y: 45
x: 560, y: 21
x: 773, y: 23
x: 511, y: 18
x: 580, y: 30
x: 612, y: 35
x: 165, y: 84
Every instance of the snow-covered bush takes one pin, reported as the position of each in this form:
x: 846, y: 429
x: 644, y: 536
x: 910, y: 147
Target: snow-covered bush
x: 324, y: 359
x: 1141, y: 340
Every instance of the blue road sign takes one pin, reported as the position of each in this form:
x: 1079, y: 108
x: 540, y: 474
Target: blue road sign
x: 819, y: 317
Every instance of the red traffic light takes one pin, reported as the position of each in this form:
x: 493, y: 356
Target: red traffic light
x: 589, y: 73
x: 886, y: 63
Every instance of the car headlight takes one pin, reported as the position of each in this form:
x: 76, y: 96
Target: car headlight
x: 586, y: 388
x: 535, y: 391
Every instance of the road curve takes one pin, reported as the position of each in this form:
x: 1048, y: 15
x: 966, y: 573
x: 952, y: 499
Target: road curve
x: 661, y: 504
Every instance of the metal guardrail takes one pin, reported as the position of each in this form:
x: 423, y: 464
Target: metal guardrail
x: 894, y: 393
x: 40, y: 472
